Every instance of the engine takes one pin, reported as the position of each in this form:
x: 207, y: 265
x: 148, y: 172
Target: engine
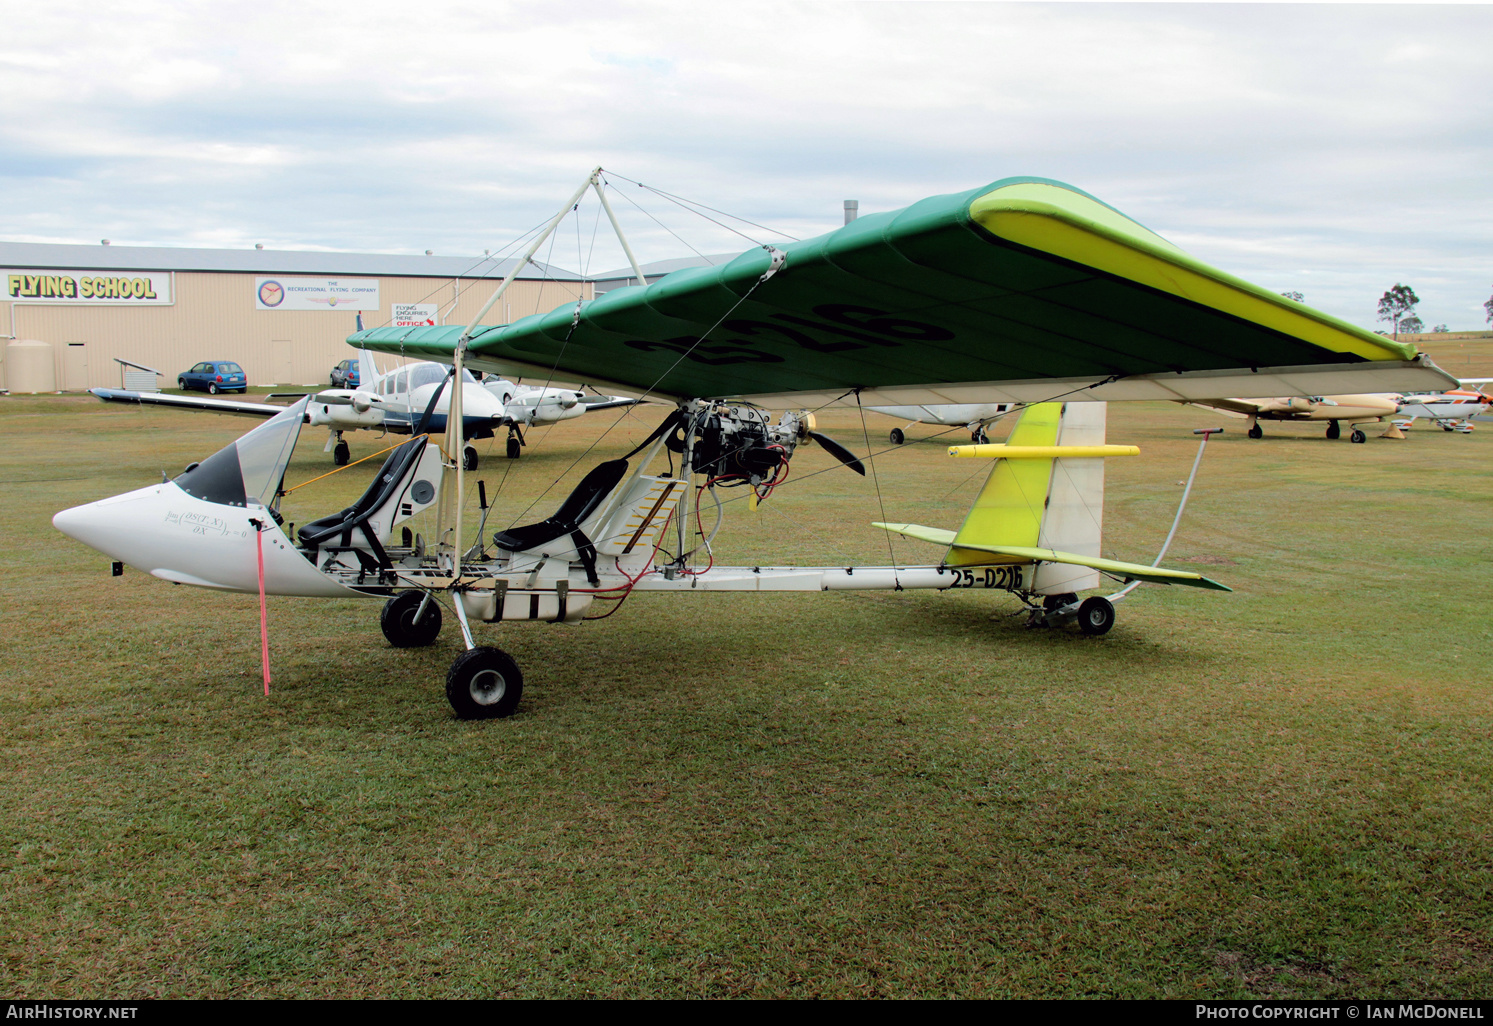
x: 739, y: 444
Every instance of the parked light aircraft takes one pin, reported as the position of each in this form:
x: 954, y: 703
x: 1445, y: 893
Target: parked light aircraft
x: 1450, y: 411
x: 398, y: 401
x: 1022, y: 291
x: 1355, y: 410
x: 973, y: 417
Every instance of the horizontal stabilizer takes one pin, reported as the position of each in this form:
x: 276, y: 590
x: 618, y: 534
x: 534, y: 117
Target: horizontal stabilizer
x: 936, y: 535
x: 1129, y: 571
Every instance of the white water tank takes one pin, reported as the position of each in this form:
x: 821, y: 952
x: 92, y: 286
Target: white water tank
x: 29, y: 366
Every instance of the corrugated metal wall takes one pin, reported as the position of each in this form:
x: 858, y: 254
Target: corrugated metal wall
x: 214, y: 318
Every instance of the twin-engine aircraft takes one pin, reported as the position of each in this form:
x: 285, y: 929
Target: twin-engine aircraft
x: 1024, y: 291
x: 1336, y: 410
x: 405, y: 399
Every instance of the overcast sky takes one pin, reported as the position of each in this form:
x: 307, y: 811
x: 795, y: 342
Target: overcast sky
x: 1333, y: 150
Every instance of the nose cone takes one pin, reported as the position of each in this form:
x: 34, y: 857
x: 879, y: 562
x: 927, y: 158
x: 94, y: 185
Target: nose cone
x: 112, y: 526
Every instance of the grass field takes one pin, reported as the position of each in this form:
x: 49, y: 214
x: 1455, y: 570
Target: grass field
x: 1282, y: 792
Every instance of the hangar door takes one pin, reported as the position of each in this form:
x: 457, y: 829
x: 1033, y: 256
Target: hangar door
x: 75, y: 367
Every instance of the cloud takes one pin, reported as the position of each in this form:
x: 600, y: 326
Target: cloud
x: 1335, y: 149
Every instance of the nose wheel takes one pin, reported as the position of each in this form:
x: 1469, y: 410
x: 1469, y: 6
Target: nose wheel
x: 469, y: 459
x: 484, y: 684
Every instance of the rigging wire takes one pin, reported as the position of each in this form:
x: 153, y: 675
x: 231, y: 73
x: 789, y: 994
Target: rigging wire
x: 689, y: 204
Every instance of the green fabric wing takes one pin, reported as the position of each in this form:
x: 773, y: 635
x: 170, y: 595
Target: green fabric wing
x: 1022, y: 280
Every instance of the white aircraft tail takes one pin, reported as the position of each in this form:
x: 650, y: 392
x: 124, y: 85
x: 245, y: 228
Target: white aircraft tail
x: 1042, y: 508
x: 367, y: 370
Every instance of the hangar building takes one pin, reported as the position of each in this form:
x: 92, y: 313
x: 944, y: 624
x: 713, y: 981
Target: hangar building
x: 283, y: 316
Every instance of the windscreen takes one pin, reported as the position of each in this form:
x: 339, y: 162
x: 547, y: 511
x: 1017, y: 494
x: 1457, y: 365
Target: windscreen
x: 249, y: 470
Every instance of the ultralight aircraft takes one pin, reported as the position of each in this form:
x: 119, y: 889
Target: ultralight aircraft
x: 1024, y: 291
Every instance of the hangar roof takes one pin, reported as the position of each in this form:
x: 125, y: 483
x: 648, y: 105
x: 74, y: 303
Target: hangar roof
x: 263, y: 261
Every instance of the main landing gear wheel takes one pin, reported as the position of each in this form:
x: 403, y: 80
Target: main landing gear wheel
x: 1096, y: 616
x: 1333, y: 431
x: 398, y: 620
x: 1051, y: 602
x: 1358, y: 437
x: 469, y: 459
x: 897, y: 436
x: 979, y: 437
x: 1257, y: 432
x: 484, y: 684
x: 514, y: 447
x: 341, y: 454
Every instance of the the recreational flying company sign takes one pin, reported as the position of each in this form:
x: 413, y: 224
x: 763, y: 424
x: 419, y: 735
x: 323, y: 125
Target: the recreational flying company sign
x: 316, y: 293
x: 136, y: 288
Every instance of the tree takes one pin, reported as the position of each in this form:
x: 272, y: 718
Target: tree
x: 1410, y: 324
x: 1299, y: 298
x: 1488, y: 306
x: 1440, y: 329
x: 1396, y: 304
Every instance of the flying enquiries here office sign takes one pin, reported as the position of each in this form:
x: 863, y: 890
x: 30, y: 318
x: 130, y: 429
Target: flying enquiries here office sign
x: 137, y: 288
x: 316, y: 293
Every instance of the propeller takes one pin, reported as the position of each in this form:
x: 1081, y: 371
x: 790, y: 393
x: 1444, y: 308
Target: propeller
x: 360, y: 401
x: 839, y: 452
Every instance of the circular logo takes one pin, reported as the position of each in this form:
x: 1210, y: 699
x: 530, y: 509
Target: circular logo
x: 272, y: 293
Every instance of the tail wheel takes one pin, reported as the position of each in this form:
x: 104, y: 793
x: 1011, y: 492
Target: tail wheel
x: 1096, y: 616
x: 484, y: 684
x: 399, y: 624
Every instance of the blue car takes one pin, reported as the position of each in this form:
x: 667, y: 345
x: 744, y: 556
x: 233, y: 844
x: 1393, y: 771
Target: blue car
x: 214, y: 376
x: 345, y: 374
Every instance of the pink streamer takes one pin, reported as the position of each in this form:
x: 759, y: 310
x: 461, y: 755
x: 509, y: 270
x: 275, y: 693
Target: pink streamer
x: 264, y: 622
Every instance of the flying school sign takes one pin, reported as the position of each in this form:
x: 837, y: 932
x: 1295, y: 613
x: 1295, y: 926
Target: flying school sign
x: 316, y: 293
x: 148, y: 288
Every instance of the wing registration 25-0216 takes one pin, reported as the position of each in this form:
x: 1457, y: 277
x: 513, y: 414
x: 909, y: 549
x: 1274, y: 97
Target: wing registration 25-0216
x: 1017, y: 291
